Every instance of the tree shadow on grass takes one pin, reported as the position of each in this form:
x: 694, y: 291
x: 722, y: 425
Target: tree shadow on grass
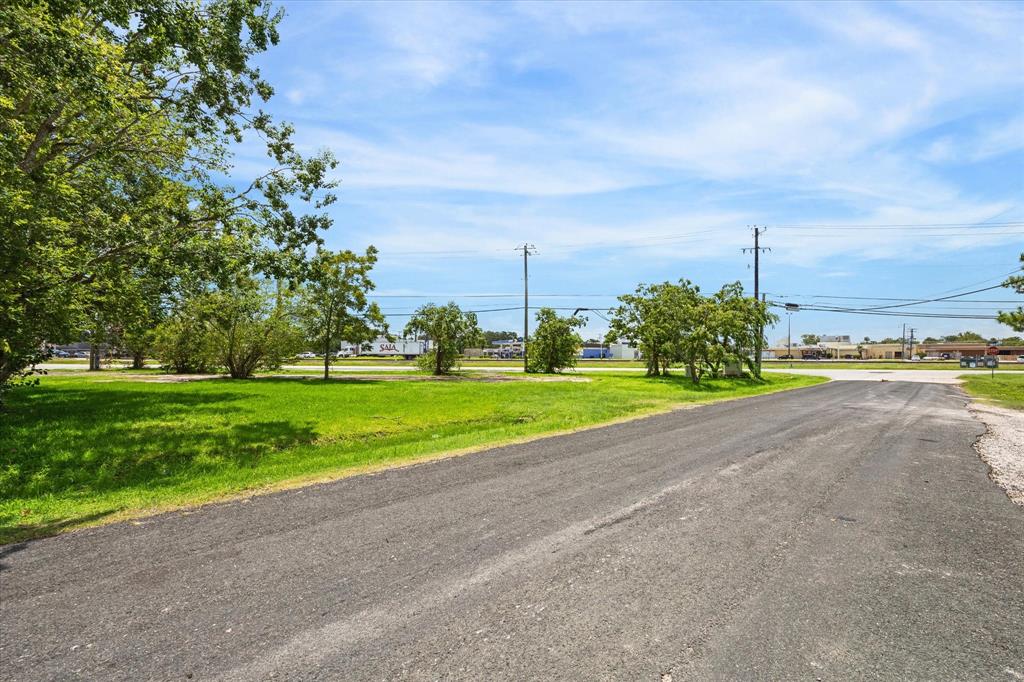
x: 678, y: 378
x: 78, y: 443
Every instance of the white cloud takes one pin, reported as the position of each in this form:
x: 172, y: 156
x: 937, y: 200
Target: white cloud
x: 482, y: 159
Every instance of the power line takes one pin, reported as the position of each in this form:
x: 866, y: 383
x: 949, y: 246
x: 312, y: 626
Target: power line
x: 883, y: 298
x: 984, y: 281
x: 897, y: 226
x: 919, y: 234
x: 441, y: 296
x: 489, y: 310
x: 934, y: 300
x: 882, y: 313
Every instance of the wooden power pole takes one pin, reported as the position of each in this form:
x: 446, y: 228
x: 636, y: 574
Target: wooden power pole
x: 528, y: 250
x: 757, y: 249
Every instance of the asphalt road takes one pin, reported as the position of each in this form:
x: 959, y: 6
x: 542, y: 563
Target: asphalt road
x: 843, y: 531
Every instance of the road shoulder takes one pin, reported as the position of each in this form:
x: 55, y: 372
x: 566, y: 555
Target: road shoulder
x: 1001, y: 447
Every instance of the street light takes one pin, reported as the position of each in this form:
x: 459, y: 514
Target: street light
x: 790, y: 309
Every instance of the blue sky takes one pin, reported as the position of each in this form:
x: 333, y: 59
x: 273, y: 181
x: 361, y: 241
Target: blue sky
x: 637, y: 142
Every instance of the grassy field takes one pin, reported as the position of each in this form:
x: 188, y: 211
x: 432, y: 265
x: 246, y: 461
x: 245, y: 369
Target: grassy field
x: 76, y: 450
x: 1002, y: 389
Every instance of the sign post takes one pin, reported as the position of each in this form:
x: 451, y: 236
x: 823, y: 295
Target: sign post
x: 993, y: 352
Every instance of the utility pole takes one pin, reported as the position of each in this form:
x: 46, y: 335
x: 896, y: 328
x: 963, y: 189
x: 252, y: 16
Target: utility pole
x: 528, y: 250
x: 757, y: 249
x: 903, y: 343
x: 912, y: 330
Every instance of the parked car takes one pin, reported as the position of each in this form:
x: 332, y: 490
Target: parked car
x: 1020, y: 359
x: 306, y: 355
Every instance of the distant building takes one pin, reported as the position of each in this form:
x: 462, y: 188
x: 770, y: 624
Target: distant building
x: 622, y: 351
x: 507, y: 348
x: 831, y: 350
x: 835, y: 339
x: 955, y: 351
x: 594, y: 351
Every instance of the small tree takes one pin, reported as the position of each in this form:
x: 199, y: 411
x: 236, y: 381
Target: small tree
x: 449, y: 330
x: 333, y: 306
x: 654, y: 318
x: 810, y: 339
x: 555, y: 342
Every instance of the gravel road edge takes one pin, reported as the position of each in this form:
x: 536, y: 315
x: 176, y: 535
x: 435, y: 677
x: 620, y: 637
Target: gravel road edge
x: 1001, y: 447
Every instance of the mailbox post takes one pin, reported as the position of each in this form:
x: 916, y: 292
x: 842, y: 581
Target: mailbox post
x: 992, y: 359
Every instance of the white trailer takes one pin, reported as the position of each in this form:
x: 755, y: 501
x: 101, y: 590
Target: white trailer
x: 383, y: 348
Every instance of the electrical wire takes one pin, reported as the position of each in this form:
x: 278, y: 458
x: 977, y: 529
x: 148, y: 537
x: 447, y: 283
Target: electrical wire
x: 517, y: 295
x: 934, y: 300
x: 897, y: 226
x: 883, y: 313
x: 491, y: 310
x: 881, y: 298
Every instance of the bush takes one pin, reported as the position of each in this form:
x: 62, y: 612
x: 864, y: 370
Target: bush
x: 446, y: 364
x: 241, y: 329
x: 250, y: 330
x: 182, y: 344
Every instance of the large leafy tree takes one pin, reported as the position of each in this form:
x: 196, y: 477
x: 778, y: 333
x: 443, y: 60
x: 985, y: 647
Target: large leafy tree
x: 116, y: 122
x: 675, y: 323
x: 1015, y: 318
x: 737, y: 324
x: 449, y: 330
x: 333, y: 305
x: 555, y: 342
x: 655, y: 319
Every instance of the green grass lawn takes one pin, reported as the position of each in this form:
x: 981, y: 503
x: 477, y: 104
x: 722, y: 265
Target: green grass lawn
x: 77, y: 450
x: 1006, y: 390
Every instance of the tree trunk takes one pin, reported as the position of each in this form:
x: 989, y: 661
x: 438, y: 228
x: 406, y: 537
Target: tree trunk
x: 653, y: 365
x: 138, y: 360
x: 94, y: 358
x: 327, y: 360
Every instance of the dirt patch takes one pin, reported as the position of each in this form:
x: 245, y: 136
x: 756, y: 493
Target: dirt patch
x: 1002, y: 447
x: 160, y: 378
x: 482, y: 378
